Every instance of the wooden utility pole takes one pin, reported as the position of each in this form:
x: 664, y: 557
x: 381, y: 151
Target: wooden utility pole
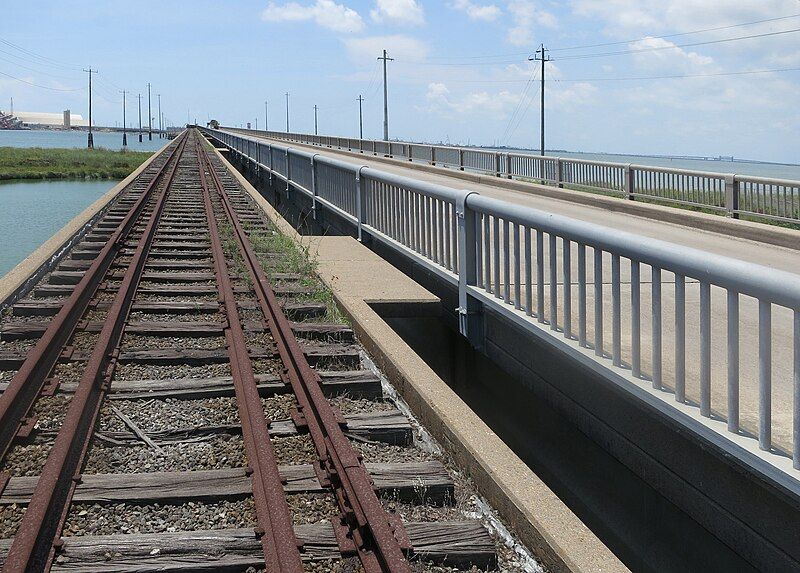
x: 541, y: 55
x: 385, y: 59
x: 360, y: 118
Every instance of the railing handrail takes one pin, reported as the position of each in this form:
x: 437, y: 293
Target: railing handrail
x: 476, y: 242
x: 638, y: 166
x: 747, y: 278
x: 776, y: 286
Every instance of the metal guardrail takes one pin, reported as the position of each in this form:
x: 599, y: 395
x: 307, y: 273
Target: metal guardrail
x: 519, y: 261
x: 764, y: 198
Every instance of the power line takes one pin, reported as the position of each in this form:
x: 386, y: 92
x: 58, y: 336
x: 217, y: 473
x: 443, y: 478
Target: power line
x: 40, y: 86
x: 39, y: 56
x: 519, y: 106
x: 522, y: 117
x: 691, y: 44
x: 615, y: 43
x: 679, y: 76
x: 13, y: 63
x: 718, y: 28
x: 634, y: 78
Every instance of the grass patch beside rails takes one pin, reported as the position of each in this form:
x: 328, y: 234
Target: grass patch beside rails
x: 41, y: 163
x: 295, y: 259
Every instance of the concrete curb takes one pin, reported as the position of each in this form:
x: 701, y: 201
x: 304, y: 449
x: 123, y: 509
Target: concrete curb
x: 533, y: 512
x: 761, y: 232
x: 15, y: 282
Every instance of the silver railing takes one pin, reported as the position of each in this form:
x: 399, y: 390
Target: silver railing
x: 600, y: 292
x: 770, y: 200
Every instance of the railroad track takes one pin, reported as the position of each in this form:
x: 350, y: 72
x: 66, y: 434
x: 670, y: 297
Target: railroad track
x: 174, y: 398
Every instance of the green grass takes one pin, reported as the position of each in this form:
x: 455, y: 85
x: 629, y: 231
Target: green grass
x: 296, y: 259
x: 40, y: 163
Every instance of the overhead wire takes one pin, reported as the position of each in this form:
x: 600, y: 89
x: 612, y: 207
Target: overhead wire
x: 524, y: 113
x: 619, y: 42
x: 520, y: 103
x: 45, y: 59
x: 673, y: 46
x: 41, y: 86
x: 634, y: 78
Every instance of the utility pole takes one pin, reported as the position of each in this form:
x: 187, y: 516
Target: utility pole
x: 360, y: 118
x: 287, y: 112
x: 90, y: 141
x: 266, y: 115
x: 160, y: 129
x: 124, y: 122
x: 315, y: 120
x: 256, y: 124
x: 541, y: 55
x: 385, y: 59
x: 149, y: 115
x: 140, y: 117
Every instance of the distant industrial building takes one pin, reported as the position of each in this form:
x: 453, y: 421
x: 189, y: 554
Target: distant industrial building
x: 38, y: 119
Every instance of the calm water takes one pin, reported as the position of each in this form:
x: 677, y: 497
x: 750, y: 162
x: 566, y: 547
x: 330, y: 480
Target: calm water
x: 31, y: 212
x: 33, y: 138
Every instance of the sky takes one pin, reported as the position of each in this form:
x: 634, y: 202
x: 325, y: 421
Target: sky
x: 461, y: 71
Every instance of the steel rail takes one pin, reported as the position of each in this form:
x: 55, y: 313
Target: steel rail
x: 27, y: 383
x: 33, y: 548
x: 378, y: 541
x: 276, y: 531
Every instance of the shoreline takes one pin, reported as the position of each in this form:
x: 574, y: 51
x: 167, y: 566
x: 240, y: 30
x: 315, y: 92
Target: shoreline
x: 58, y: 164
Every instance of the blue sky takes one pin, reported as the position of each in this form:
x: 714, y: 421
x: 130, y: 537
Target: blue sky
x: 460, y: 72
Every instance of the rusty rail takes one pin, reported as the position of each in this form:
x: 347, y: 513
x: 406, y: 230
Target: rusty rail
x: 27, y: 383
x: 275, y: 529
x: 33, y: 548
x: 365, y: 529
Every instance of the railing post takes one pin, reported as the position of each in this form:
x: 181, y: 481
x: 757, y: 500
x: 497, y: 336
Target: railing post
x: 498, y: 164
x: 559, y: 172
x: 629, y: 173
x: 288, y: 171
x: 433, y: 155
x: 461, y: 159
x: 361, y: 203
x: 470, y: 309
x: 314, y: 186
x: 732, y: 196
x: 410, y: 153
x: 269, y: 148
x: 508, y: 166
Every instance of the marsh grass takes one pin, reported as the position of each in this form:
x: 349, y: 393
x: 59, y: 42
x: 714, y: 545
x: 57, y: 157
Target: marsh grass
x: 40, y: 163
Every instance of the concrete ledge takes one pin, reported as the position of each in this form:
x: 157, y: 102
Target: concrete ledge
x: 16, y: 281
x: 361, y: 280
x: 761, y: 232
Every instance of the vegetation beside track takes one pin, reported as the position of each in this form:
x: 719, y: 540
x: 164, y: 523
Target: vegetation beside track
x: 292, y: 259
x: 45, y: 163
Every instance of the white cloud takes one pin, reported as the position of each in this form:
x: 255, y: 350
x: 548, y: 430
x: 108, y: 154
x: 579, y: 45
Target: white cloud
x: 660, y: 55
x: 365, y: 50
x: 524, y: 14
x: 486, y: 12
x: 472, y: 103
x: 324, y: 13
x: 404, y: 12
x: 636, y: 16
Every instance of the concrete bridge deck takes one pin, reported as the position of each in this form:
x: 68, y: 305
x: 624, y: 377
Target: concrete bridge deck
x: 652, y: 221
